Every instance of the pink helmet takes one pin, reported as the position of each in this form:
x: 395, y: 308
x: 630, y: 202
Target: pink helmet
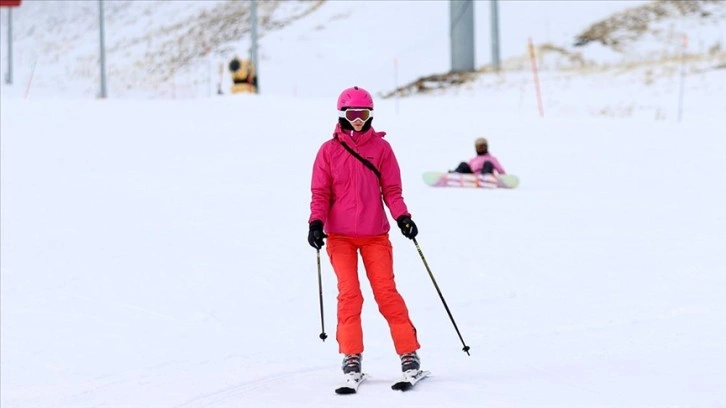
x: 355, y: 97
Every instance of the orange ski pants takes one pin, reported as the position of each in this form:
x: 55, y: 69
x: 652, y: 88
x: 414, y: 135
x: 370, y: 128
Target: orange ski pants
x: 377, y: 255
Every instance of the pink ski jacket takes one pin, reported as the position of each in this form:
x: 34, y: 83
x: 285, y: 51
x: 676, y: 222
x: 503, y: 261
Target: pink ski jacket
x: 346, y: 195
x: 478, y: 162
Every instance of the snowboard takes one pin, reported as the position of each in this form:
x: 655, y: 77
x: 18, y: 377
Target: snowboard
x: 442, y: 179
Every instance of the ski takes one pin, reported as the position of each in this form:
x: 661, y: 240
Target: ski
x: 410, y: 378
x: 352, y: 381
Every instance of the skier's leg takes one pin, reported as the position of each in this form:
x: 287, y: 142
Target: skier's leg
x: 463, y: 168
x: 377, y: 255
x: 488, y: 168
x: 344, y: 258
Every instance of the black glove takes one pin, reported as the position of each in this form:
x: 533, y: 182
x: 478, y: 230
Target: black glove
x: 316, y: 234
x: 407, y: 226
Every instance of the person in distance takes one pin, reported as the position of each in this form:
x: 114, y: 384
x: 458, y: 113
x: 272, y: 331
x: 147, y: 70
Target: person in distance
x: 484, y: 162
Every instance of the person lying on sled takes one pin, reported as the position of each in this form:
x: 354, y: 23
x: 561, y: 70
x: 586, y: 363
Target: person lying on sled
x: 483, y: 163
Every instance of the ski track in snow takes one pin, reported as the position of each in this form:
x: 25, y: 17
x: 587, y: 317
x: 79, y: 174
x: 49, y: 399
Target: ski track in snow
x: 237, y: 392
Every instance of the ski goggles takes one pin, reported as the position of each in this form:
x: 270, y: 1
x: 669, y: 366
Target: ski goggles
x: 353, y: 114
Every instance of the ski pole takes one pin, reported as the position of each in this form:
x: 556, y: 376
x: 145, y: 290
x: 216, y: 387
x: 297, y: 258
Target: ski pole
x: 323, y: 336
x: 418, y: 248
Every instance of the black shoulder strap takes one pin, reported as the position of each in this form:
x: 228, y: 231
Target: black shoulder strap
x: 362, y: 159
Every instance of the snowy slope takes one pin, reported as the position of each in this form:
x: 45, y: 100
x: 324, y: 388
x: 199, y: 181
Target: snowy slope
x: 153, y: 252
x: 56, y: 43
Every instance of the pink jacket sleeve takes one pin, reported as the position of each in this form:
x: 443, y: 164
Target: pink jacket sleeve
x: 498, y: 167
x: 391, y: 185
x: 320, y: 187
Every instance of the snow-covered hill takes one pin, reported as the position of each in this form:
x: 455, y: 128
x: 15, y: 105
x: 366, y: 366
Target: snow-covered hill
x: 180, y: 49
x: 153, y: 251
x: 154, y: 254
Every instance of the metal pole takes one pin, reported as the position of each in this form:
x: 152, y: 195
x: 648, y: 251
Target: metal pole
x: 431, y: 275
x: 253, y: 39
x: 461, y: 26
x: 103, y: 93
x: 9, y: 77
x: 322, y: 335
x: 495, y: 34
